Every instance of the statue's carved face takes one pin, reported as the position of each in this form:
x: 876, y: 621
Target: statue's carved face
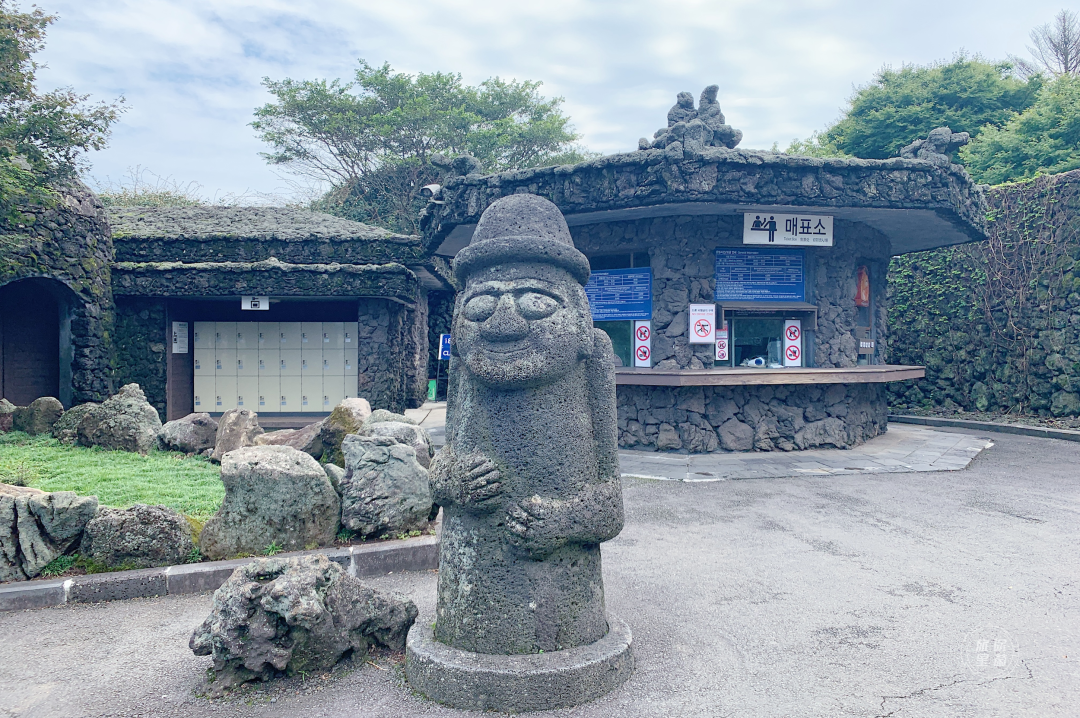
x: 520, y: 325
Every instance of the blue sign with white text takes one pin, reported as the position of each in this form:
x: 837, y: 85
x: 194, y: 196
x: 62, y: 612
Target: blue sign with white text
x: 618, y: 294
x: 760, y: 275
x: 444, y: 346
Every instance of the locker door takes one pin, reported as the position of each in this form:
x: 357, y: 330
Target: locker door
x: 311, y: 360
x: 311, y: 335
x: 269, y: 362
x: 269, y: 393
x: 204, y: 362
x: 203, y: 337
x: 268, y: 335
x: 247, y: 392
x: 204, y: 392
x: 311, y: 394
x: 225, y: 362
x: 247, y: 362
x: 349, y: 335
x: 351, y: 386
x: 225, y: 335
x: 333, y: 391
x: 289, y: 336
x: 289, y: 362
x: 333, y: 335
x: 247, y: 335
x: 333, y: 362
x: 225, y: 393
x: 290, y: 394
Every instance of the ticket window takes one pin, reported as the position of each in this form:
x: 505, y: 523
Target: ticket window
x: 759, y: 341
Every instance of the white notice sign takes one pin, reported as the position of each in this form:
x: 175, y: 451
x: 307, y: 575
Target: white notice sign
x: 793, y: 342
x: 798, y: 230
x: 702, y: 323
x: 258, y: 304
x: 179, y: 337
x: 643, y: 344
x: 722, y: 343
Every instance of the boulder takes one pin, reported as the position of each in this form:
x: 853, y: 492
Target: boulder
x: 66, y: 429
x: 736, y: 436
x: 37, y: 527
x: 192, y: 434
x: 295, y: 615
x: 273, y: 494
x: 7, y: 412
x: 383, y: 415
x: 237, y: 428
x: 336, y: 474
x: 385, y: 489
x: 139, y: 537
x: 39, y: 417
x: 346, y: 418
x: 125, y: 421
x: 408, y: 434
x: 308, y: 439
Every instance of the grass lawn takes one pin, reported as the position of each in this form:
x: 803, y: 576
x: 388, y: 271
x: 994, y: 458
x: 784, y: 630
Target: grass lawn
x: 118, y: 478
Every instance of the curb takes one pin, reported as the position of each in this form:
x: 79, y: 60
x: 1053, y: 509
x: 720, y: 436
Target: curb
x: 414, y: 554
x: 1040, y: 432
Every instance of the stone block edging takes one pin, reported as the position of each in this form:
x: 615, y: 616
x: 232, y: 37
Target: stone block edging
x: 1041, y: 432
x: 413, y: 554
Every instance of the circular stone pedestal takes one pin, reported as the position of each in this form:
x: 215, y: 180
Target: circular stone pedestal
x: 532, y: 682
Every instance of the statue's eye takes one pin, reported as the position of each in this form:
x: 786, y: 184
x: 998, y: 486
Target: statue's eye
x: 533, y: 305
x: 480, y: 307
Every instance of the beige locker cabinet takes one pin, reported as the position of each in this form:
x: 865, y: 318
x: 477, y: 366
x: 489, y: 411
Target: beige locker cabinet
x: 351, y: 365
x: 311, y: 359
x: 289, y: 362
x: 225, y: 393
x: 204, y: 392
x: 289, y: 336
x: 247, y: 392
x: 311, y: 335
x: 269, y: 393
x: 269, y: 362
x: 351, y: 387
x: 204, y: 362
x: 269, y: 336
x: 311, y: 392
x: 225, y: 362
x: 333, y: 391
x: 350, y: 339
x: 333, y: 362
x: 333, y: 335
x: 247, y: 362
x: 247, y: 335
x: 225, y: 335
x: 290, y: 394
x: 203, y: 337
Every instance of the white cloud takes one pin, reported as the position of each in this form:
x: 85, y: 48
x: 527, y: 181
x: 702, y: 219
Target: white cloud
x: 191, y: 69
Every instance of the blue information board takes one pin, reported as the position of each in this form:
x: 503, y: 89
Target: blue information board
x: 762, y: 275
x: 617, y: 294
x: 444, y: 346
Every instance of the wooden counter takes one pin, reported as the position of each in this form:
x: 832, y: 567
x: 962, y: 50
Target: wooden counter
x: 746, y: 376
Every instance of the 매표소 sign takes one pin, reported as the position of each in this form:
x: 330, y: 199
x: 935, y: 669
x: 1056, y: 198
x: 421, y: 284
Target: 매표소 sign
x: 799, y: 230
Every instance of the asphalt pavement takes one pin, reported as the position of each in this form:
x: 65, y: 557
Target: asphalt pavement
x: 950, y: 593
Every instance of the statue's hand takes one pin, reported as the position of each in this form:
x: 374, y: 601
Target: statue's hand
x: 531, y: 525
x: 480, y: 482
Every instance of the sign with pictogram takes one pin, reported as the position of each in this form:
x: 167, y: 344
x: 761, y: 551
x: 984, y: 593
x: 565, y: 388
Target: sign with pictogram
x: 722, y: 343
x: 801, y: 230
x: 702, y: 323
x: 793, y: 342
x: 643, y: 344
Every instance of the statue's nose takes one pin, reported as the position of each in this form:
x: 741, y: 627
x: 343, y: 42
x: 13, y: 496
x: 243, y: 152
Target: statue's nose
x: 505, y: 324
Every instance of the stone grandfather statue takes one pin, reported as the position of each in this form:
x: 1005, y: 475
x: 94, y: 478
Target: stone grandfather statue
x: 529, y: 478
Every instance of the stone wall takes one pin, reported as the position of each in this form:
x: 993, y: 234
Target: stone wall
x: 70, y: 243
x: 681, y: 251
x: 747, y: 418
x: 393, y: 352
x: 141, y: 333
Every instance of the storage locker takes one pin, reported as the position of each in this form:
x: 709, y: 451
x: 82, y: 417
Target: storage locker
x: 311, y: 359
x: 351, y: 387
x: 225, y: 335
x: 289, y: 362
x: 204, y: 392
x: 247, y: 362
x: 225, y: 362
x: 203, y: 337
x: 289, y: 336
x: 290, y: 394
x: 333, y: 391
x: 333, y: 335
x: 350, y: 358
x: 333, y: 362
x: 269, y: 362
x: 247, y: 335
x: 350, y: 339
x: 247, y: 392
x: 204, y: 362
x: 311, y: 335
x: 311, y: 392
x: 268, y: 336
x: 224, y: 393
x: 269, y: 393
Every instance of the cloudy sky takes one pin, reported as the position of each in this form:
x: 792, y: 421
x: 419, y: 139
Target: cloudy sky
x: 190, y: 70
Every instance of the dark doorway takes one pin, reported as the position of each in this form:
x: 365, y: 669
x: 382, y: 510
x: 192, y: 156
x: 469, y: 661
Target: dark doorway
x: 29, y: 342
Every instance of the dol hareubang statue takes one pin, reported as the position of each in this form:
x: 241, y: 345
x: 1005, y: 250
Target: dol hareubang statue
x: 529, y: 478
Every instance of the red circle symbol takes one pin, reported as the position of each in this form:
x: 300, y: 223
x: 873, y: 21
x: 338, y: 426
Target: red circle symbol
x: 643, y: 333
x: 792, y: 353
x: 703, y: 327
x: 643, y: 353
x: 721, y: 345
x: 793, y: 333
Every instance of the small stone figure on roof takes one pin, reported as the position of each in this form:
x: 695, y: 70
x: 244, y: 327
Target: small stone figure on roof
x: 937, y: 147
x: 694, y: 129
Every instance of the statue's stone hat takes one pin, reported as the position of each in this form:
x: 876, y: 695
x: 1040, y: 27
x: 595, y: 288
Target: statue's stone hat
x: 521, y: 228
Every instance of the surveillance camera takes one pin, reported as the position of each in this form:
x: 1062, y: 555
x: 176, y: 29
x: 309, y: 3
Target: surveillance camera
x: 430, y: 191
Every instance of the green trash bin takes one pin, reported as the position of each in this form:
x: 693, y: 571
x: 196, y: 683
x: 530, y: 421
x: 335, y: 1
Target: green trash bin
x: 432, y: 389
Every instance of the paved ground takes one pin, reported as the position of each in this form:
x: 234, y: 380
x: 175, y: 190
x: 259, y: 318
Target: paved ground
x: 899, y: 594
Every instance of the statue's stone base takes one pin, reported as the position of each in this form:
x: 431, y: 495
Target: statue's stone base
x: 512, y: 684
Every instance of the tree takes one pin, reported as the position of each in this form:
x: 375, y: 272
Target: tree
x: 372, y: 140
x: 1057, y: 48
x: 899, y: 106
x: 1043, y: 139
x: 42, y: 136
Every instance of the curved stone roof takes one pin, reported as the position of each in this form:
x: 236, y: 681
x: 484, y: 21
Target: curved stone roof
x: 917, y: 204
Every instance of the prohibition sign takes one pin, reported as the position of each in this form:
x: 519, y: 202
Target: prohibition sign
x: 792, y: 353
x: 643, y: 333
x: 643, y: 353
x: 793, y: 333
x: 703, y: 327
